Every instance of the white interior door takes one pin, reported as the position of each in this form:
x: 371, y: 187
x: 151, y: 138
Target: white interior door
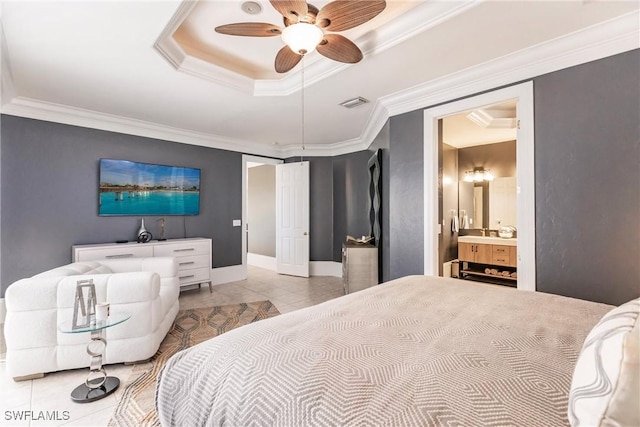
x: 292, y: 219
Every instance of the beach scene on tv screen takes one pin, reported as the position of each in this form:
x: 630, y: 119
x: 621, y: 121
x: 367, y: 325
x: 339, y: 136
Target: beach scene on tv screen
x: 131, y: 188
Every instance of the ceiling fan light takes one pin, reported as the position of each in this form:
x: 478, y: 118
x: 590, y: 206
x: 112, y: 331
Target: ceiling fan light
x: 302, y: 38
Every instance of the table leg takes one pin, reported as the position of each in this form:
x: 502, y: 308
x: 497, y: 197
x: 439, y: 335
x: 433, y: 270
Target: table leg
x: 98, y: 384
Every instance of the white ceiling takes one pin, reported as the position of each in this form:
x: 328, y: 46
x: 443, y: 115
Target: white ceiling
x: 93, y: 63
x: 460, y: 132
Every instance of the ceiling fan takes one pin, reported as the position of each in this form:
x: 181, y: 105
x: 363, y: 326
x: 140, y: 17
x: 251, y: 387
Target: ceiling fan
x: 305, y: 28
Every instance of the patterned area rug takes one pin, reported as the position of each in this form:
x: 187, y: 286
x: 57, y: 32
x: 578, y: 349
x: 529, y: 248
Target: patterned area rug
x: 191, y: 327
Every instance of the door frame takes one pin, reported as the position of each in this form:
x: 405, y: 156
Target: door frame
x: 523, y: 95
x: 246, y: 159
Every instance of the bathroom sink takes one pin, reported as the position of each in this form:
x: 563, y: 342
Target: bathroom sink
x: 488, y: 240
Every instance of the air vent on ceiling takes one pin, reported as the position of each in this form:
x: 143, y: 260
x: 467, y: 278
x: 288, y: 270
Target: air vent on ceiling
x: 351, y: 103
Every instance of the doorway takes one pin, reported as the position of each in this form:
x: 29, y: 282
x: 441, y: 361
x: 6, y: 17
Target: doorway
x: 478, y: 196
x: 264, y: 236
x: 522, y: 96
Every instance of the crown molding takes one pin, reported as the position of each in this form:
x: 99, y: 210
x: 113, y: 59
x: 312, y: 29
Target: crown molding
x: 599, y: 41
x: 7, y: 88
x: 51, y: 112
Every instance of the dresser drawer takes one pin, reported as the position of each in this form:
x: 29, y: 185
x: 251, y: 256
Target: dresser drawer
x: 182, y: 249
x: 195, y: 275
x: 128, y: 251
x: 195, y: 261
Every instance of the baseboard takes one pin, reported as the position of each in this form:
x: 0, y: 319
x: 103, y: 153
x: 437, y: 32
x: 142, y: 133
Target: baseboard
x: 3, y: 310
x: 232, y: 273
x: 262, y: 261
x: 325, y: 268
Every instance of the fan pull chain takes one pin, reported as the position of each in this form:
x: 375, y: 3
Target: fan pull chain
x: 302, y: 109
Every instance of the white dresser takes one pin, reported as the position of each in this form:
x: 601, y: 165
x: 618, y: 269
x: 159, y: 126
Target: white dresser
x: 359, y: 267
x: 194, y: 255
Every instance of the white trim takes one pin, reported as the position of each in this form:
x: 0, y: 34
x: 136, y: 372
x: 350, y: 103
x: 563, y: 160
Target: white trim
x: 234, y: 273
x: 48, y: 111
x: 262, y: 261
x: 246, y: 159
x: 523, y: 94
x: 325, y: 268
x: 604, y: 39
x: 3, y: 310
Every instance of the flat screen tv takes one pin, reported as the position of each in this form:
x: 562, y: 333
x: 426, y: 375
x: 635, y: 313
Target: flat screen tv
x: 136, y: 189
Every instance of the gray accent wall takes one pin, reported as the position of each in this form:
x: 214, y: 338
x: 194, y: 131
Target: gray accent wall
x: 50, y: 194
x: 350, y: 198
x: 587, y: 136
x: 261, y: 212
x: 406, y: 194
x: 587, y: 130
x: 321, y: 206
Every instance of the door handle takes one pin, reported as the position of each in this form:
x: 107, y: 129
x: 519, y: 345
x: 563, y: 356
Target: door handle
x: 305, y: 234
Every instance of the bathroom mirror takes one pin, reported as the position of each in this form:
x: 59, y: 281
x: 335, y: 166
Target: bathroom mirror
x: 471, y: 204
x: 487, y: 204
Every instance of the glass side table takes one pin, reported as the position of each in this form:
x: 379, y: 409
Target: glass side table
x: 98, y: 384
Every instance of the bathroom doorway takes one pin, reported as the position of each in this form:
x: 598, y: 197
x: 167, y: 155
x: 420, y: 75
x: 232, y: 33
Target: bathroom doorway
x: 435, y: 222
x: 478, y: 198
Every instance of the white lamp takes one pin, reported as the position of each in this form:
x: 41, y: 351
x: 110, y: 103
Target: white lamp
x: 302, y: 38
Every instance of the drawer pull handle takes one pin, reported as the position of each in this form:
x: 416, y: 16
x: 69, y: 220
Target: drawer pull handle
x: 187, y: 263
x: 120, y: 256
x: 187, y: 277
x: 184, y: 250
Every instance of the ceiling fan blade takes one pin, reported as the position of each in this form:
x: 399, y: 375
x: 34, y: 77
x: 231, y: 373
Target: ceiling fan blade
x: 291, y: 9
x: 286, y: 59
x: 250, y: 29
x: 339, y: 48
x: 342, y: 15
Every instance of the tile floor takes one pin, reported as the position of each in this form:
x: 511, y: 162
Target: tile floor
x: 51, y: 393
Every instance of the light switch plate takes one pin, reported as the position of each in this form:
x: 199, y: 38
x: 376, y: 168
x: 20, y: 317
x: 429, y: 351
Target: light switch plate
x: 237, y: 222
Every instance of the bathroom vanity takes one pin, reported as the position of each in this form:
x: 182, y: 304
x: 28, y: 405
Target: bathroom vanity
x: 488, y: 257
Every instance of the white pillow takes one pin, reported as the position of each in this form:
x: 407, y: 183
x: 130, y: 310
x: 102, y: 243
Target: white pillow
x: 605, y: 384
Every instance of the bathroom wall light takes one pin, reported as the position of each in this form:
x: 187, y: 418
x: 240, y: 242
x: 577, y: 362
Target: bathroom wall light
x: 478, y: 175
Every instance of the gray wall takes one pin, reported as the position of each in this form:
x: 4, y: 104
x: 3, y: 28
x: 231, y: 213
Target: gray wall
x: 350, y: 198
x: 261, y: 212
x: 587, y: 129
x: 587, y: 132
x: 406, y: 195
x: 50, y: 194
x: 321, y: 206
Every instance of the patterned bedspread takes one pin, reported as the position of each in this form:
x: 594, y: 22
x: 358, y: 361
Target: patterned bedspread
x: 414, y: 351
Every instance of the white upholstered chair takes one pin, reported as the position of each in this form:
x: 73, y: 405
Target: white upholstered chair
x: 146, y: 288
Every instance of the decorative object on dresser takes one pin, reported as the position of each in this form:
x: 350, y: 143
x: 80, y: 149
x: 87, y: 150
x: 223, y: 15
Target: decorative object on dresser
x: 193, y: 255
x: 146, y: 288
x: 144, y: 236
x: 359, y: 265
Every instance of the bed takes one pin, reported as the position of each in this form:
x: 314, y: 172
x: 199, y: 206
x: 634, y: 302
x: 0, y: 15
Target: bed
x: 414, y: 351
